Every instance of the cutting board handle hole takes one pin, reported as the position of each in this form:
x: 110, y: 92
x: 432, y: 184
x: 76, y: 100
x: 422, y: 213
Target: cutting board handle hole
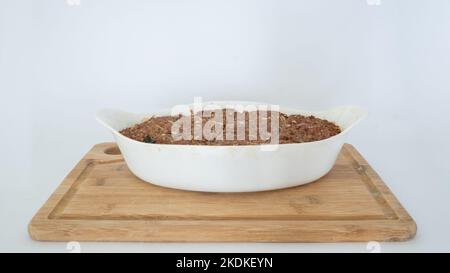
x: 112, y: 151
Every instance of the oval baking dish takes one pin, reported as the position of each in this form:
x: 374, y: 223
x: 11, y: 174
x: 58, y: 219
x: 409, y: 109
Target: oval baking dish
x: 242, y: 168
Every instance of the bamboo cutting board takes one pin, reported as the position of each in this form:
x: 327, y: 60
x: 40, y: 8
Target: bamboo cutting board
x: 101, y: 200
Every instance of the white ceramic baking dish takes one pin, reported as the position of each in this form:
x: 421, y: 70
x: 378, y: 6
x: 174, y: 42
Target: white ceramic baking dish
x: 231, y: 168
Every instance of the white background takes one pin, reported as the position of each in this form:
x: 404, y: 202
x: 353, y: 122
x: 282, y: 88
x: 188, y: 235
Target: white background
x: 59, y: 63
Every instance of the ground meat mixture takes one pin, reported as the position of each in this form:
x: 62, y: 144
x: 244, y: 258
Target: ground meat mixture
x: 292, y: 128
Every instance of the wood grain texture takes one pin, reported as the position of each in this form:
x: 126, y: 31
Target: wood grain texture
x: 101, y: 200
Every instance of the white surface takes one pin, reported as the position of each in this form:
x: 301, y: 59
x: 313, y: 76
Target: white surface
x: 247, y: 168
x: 60, y: 63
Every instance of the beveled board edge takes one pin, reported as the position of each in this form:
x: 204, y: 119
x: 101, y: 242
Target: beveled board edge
x: 43, y: 228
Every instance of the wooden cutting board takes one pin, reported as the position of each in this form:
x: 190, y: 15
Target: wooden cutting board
x: 101, y: 200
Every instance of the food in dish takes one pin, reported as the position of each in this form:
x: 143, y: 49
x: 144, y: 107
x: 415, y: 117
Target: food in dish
x: 294, y: 128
